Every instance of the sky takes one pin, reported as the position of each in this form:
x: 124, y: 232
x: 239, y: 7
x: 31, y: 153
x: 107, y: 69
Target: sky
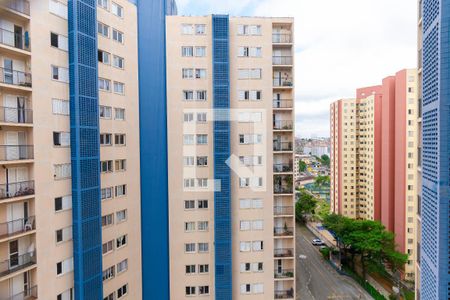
x: 339, y: 46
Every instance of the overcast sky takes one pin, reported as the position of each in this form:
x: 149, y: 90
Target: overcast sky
x: 340, y: 46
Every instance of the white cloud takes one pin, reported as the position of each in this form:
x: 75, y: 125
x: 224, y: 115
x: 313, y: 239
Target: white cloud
x: 340, y: 46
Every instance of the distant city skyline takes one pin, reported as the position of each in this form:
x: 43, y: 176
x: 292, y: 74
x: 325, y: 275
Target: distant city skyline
x: 332, y: 61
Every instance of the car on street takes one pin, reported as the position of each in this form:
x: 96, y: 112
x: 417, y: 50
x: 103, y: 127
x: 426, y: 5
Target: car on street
x: 318, y: 242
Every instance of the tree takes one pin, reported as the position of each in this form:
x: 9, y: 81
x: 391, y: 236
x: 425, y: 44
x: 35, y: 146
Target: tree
x: 305, y: 205
x: 302, y: 166
x: 321, y: 181
x: 325, y: 160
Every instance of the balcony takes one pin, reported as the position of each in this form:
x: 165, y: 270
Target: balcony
x: 282, y: 146
x: 17, y: 78
x: 283, y: 231
x: 28, y: 294
x: 283, y: 125
x: 15, y: 152
x: 283, y: 83
x: 282, y: 60
x: 17, y: 227
x: 283, y: 253
x: 16, y: 115
x: 16, y: 189
x: 278, y: 189
x: 283, y: 167
x: 283, y: 210
x: 20, y: 6
x: 284, y: 273
x: 282, y: 38
x: 15, y: 40
x: 282, y: 103
x: 17, y: 263
x: 284, y: 294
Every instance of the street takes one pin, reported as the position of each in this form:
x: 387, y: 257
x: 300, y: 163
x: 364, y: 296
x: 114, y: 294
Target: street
x: 316, y: 279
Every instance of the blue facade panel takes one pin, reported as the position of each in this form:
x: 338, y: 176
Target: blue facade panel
x: 222, y: 194
x: 85, y: 152
x: 153, y: 146
x: 435, y: 244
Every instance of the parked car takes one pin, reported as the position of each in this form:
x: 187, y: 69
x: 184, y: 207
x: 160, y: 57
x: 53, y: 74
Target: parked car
x: 318, y: 242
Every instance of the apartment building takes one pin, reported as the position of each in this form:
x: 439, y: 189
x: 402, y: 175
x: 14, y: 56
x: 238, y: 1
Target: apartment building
x: 375, y: 156
x: 434, y: 239
x: 69, y: 206
x: 230, y: 157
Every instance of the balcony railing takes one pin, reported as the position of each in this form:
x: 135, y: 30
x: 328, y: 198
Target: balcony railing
x: 17, y: 226
x: 283, y: 231
x: 282, y: 146
x: 21, y: 6
x: 284, y: 273
x: 283, y: 210
x: 283, y: 124
x: 279, y: 189
x: 284, y: 167
x: 28, y: 294
x: 282, y: 60
x: 15, y: 152
x: 279, y: 82
x: 17, y: 263
x: 282, y: 103
x: 16, y: 189
x: 284, y: 252
x: 13, y: 77
x: 15, y: 40
x: 16, y: 115
x: 281, y: 38
x: 286, y: 294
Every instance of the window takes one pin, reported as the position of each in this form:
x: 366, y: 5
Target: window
x: 106, y: 139
x: 188, y: 139
x: 120, y: 139
x: 188, y: 95
x: 187, y: 29
x: 203, y: 247
x: 64, y: 234
x: 203, y: 269
x: 188, y: 117
x: 188, y: 161
x: 103, y: 57
x: 200, y: 73
x: 60, y: 74
x: 109, y: 273
x: 245, y: 267
x: 245, y: 246
x: 202, y: 182
x: 106, y: 166
x: 111, y: 296
x: 201, y: 117
x: 258, y: 267
x: 250, y: 160
x: 119, y: 113
x: 189, y: 247
x: 249, y: 29
x: 63, y: 203
x: 105, y: 112
x: 122, y: 291
x: 119, y: 87
x: 121, y: 241
x: 117, y: 10
x: 104, y: 84
x: 249, y: 95
x: 108, y: 247
x: 64, y: 266
x: 103, y: 29
x: 200, y: 29
x: 203, y: 290
x: 187, y: 51
x: 202, y: 139
x: 249, y: 73
x: 60, y: 107
x: 121, y: 190
x: 59, y: 41
x: 189, y: 226
x: 107, y: 220
x: 62, y: 171
x: 58, y: 8
x: 187, y: 73
x: 258, y: 288
x: 122, y: 266
x: 118, y: 62
x: 258, y: 246
x: 117, y: 35
x: 246, y: 139
x: 190, y: 290
x: 249, y: 51
x: 250, y: 117
x: 121, y: 164
x: 121, y: 215
x: 200, y: 51
x: 202, y: 161
x: 189, y: 183
x: 190, y: 269
x: 189, y: 204
x: 201, y: 95
x: 202, y: 204
x: 245, y: 225
x: 67, y: 295
x: 103, y: 3
x: 61, y: 139
x: 245, y: 288
x: 106, y: 193
x: 258, y: 225
x: 203, y: 226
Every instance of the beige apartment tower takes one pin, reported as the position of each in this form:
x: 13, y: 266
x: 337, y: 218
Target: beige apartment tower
x: 237, y: 71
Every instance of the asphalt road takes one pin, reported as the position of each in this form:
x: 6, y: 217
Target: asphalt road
x: 316, y: 279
